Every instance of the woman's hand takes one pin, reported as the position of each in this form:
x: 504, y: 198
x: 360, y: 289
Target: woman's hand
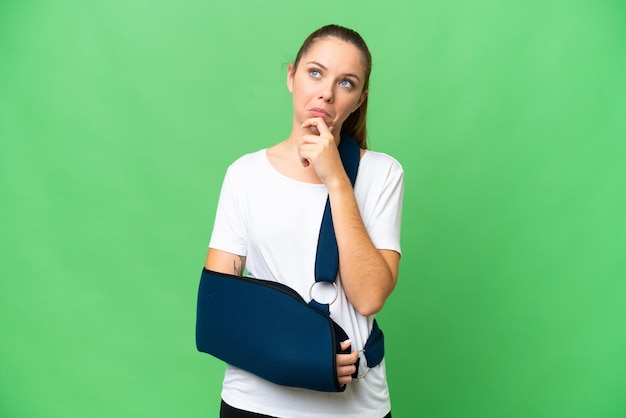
x: 346, y: 364
x: 319, y: 149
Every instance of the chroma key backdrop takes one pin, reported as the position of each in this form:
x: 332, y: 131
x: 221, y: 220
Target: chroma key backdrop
x: 118, y: 120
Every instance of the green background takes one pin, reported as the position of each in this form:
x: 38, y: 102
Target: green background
x: 119, y: 118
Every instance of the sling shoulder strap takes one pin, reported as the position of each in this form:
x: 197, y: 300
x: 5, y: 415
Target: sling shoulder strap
x: 327, y: 258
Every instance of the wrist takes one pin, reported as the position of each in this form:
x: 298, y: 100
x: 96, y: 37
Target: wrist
x: 339, y: 184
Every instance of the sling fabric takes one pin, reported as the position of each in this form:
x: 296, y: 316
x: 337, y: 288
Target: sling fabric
x: 267, y: 329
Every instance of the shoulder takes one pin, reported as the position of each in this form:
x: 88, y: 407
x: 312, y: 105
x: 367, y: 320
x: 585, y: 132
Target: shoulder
x: 378, y: 172
x: 247, y: 163
x: 251, y: 158
x: 373, y: 161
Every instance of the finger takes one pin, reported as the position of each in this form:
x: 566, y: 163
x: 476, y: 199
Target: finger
x: 318, y: 123
x: 344, y: 380
x: 344, y: 374
x: 345, y: 360
x: 346, y: 371
x: 312, y: 128
x: 309, y: 149
x: 304, y: 158
x: 344, y: 345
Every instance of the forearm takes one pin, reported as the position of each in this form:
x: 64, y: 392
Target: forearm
x: 368, y: 276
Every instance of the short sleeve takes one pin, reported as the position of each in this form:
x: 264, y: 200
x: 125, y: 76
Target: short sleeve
x: 382, y: 205
x: 229, y: 232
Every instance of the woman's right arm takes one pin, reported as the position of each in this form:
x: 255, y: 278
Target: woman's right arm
x: 225, y: 262
x: 229, y: 263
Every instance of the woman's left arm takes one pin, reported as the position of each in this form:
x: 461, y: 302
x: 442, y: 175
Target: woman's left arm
x: 368, y: 275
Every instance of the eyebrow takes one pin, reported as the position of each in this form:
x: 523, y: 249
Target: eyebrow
x: 323, y: 67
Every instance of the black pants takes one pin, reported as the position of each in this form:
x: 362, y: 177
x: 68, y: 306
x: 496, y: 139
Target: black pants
x: 228, y: 411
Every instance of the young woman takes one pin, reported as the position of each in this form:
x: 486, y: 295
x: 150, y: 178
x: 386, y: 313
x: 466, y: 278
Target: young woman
x: 269, y: 215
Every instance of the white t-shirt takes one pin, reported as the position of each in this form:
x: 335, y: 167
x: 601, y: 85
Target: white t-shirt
x: 274, y: 221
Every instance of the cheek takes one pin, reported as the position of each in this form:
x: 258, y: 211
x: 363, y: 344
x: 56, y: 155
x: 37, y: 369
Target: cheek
x: 305, y: 89
x: 351, y: 104
x: 303, y: 97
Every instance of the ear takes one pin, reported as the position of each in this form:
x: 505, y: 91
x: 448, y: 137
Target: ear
x: 290, y: 74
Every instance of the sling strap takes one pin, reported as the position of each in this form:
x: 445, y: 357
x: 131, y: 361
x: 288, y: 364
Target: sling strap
x: 327, y: 258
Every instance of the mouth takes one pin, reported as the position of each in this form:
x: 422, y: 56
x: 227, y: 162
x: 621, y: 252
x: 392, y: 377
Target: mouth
x: 317, y: 112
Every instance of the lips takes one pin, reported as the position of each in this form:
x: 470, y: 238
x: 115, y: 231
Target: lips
x: 317, y: 112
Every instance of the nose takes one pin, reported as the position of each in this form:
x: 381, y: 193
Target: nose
x: 327, y: 92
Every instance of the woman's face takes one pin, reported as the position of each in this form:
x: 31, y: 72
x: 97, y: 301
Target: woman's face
x: 327, y: 83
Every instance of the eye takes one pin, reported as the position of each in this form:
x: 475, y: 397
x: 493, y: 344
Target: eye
x: 315, y: 73
x: 346, y: 83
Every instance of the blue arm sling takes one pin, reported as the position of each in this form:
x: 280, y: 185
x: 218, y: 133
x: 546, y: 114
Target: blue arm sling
x: 268, y: 329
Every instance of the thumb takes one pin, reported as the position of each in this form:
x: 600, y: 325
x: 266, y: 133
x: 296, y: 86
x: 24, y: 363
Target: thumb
x: 345, y: 345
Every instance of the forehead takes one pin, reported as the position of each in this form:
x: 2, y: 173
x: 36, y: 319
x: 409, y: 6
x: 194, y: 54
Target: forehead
x: 336, y: 55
